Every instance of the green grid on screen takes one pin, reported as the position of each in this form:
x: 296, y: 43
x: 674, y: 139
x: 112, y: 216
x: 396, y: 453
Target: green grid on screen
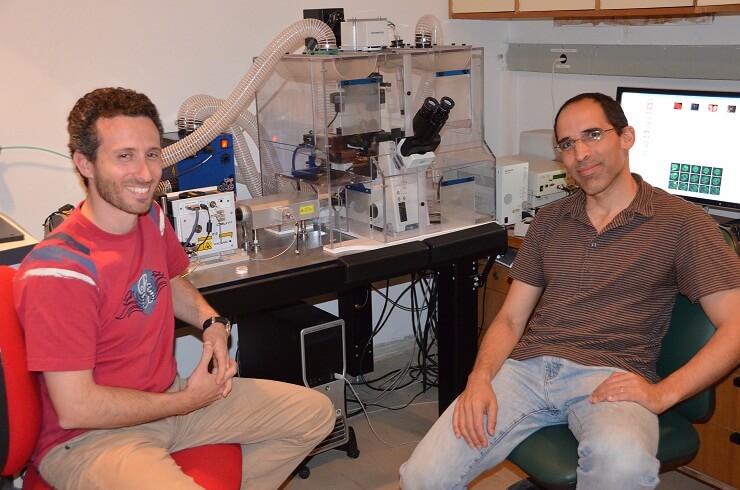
x: 695, y: 178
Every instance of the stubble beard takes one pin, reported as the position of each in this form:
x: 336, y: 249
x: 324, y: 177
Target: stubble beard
x: 111, y: 193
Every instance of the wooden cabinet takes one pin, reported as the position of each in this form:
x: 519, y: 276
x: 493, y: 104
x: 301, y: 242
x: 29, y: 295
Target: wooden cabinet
x: 548, y: 5
x: 492, y: 296
x: 719, y: 456
x: 641, y: 4
x: 468, y: 6
x: 512, y: 9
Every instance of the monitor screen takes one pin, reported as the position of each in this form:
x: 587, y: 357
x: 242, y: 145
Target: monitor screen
x: 687, y: 142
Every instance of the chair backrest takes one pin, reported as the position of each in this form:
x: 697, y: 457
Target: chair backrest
x: 20, y: 405
x: 730, y: 234
x: 689, y: 331
x: 211, y: 466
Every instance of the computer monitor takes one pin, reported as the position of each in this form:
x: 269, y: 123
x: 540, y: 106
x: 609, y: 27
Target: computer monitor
x: 687, y: 142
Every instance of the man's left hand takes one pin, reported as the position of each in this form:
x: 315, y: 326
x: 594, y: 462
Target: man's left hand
x: 224, y: 365
x: 632, y: 387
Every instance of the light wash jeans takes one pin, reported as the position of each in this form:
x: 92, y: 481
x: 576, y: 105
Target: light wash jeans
x: 617, y: 440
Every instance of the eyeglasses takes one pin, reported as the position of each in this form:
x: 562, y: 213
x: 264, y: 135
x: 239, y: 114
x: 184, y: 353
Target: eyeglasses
x: 589, y: 136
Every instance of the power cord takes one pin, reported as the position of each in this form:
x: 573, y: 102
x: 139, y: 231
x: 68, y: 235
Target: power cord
x: 37, y: 148
x: 562, y: 59
x: 367, y: 415
x: 209, y: 227
x: 292, y: 242
x: 425, y: 372
x: 57, y: 218
x: 188, y: 244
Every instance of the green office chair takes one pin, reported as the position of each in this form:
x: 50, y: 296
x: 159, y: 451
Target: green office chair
x: 730, y: 234
x: 550, y: 455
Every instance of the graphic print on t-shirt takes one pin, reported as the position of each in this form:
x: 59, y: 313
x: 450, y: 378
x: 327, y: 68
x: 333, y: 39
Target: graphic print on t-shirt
x: 142, y: 295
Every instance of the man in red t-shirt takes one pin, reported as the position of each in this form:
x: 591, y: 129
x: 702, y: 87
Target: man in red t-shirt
x: 97, y: 299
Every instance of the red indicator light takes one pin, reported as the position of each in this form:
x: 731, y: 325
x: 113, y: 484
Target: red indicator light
x: 224, y: 144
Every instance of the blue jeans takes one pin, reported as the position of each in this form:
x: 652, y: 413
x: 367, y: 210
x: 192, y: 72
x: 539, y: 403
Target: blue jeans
x: 617, y: 440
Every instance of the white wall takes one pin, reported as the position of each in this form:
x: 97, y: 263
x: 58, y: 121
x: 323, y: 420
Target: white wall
x: 51, y: 53
x: 517, y: 102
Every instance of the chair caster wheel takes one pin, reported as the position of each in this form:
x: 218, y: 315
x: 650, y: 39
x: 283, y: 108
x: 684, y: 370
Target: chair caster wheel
x: 304, y: 472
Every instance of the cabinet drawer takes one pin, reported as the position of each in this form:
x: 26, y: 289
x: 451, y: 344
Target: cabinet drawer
x: 466, y: 6
x: 490, y: 306
x: 549, y: 5
x: 499, y: 279
x: 718, y: 457
x: 641, y: 4
x: 726, y: 413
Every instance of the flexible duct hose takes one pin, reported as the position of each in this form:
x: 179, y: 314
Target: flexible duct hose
x: 429, y: 29
x: 198, y: 108
x: 243, y: 95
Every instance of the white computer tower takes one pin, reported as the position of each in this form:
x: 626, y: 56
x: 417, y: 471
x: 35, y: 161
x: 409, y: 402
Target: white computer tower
x: 298, y: 344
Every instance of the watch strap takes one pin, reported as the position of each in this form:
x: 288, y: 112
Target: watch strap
x: 218, y: 319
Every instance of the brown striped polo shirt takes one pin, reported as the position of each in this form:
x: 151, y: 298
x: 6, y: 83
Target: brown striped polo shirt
x: 608, y: 297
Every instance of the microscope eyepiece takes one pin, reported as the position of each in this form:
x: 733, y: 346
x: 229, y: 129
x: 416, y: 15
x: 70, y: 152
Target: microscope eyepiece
x: 427, y: 123
x: 447, y: 103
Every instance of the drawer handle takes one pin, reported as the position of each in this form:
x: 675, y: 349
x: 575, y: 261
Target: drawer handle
x: 735, y: 438
x: 736, y: 381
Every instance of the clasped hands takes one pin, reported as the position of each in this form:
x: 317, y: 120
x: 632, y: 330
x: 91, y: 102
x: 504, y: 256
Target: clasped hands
x: 211, y: 386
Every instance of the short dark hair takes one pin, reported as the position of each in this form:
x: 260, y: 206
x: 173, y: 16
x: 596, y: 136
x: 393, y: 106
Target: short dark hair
x: 107, y: 103
x: 611, y: 108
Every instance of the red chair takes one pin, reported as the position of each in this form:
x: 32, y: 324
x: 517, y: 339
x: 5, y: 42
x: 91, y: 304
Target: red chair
x: 214, y: 467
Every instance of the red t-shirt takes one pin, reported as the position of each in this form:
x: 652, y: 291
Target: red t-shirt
x: 88, y: 299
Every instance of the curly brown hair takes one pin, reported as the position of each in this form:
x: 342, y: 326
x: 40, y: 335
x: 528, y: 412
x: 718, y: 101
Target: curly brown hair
x: 105, y: 102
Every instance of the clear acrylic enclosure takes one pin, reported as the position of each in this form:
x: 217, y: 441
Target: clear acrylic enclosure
x: 391, y: 141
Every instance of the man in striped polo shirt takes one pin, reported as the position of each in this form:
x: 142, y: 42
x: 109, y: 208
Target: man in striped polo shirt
x: 578, y: 337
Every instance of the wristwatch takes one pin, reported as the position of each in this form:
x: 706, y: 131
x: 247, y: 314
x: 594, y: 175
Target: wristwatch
x: 218, y: 319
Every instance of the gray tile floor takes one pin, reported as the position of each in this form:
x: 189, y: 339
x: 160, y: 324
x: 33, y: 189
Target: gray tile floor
x: 386, y: 438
